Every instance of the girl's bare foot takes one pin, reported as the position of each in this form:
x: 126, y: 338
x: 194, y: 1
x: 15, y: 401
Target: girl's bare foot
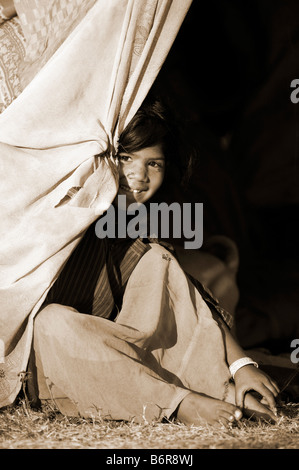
x: 200, y: 409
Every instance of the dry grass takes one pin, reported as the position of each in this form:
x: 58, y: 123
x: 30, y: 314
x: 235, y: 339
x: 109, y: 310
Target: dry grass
x: 23, y: 428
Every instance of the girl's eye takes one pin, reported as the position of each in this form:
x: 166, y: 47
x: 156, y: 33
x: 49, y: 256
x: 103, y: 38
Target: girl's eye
x: 124, y: 158
x: 156, y: 164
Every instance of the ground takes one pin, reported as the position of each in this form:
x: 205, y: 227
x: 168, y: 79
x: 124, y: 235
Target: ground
x: 23, y: 428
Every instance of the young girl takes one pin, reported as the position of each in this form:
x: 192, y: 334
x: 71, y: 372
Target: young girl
x: 125, y: 334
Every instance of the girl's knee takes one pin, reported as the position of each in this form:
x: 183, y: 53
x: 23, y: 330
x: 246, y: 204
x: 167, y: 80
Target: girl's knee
x: 51, y: 314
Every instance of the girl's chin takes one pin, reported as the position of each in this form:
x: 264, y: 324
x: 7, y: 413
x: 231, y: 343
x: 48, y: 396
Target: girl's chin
x: 130, y: 199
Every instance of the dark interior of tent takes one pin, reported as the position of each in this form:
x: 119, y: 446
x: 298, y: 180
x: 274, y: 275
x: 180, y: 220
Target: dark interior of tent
x: 229, y: 74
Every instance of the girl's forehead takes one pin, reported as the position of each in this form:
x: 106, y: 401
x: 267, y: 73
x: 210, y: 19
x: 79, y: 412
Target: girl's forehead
x: 149, y: 153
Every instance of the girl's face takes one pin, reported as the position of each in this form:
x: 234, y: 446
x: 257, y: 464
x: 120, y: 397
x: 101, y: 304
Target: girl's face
x: 141, y: 173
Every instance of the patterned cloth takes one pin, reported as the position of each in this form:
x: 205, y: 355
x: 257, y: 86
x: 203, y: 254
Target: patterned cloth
x: 12, y: 53
x: 47, y: 23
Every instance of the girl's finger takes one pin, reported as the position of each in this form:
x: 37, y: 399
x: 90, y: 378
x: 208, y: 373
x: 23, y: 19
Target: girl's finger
x: 240, y: 396
x: 268, y: 396
x: 273, y: 385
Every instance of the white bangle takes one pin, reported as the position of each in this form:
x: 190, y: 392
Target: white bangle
x: 244, y: 361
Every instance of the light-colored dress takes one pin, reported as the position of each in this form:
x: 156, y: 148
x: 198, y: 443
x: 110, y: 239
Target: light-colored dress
x: 163, y: 344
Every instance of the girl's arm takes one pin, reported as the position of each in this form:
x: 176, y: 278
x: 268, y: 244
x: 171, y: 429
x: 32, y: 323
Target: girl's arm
x: 247, y: 377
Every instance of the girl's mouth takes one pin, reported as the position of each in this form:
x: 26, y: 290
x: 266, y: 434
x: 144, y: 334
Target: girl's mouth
x: 131, y: 190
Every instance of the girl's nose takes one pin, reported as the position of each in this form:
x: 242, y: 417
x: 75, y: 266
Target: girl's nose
x: 138, y: 172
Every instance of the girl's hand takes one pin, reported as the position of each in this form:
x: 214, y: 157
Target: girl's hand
x: 250, y: 378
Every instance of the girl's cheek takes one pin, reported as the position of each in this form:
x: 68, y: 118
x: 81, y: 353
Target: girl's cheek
x: 121, y: 170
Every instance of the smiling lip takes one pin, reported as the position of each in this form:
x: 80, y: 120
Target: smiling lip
x: 132, y: 190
